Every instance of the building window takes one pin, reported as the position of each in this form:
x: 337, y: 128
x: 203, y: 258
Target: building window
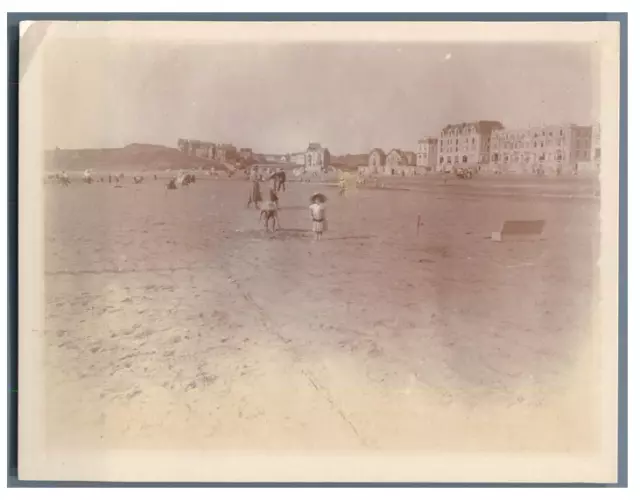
x: 506, y: 158
x: 473, y: 140
x: 535, y: 144
x: 442, y: 159
x: 448, y: 159
x: 464, y: 159
x: 495, y: 157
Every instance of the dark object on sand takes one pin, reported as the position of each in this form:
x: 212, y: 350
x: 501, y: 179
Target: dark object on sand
x: 138, y: 179
x: 172, y: 184
x: 519, y: 229
x: 464, y: 173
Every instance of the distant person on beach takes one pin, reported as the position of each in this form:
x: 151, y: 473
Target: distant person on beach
x: 273, y: 177
x: 281, y: 179
x: 255, y: 196
x: 318, y: 214
x: 172, y: 184
x: 64, y: 179
x: 342, y: 186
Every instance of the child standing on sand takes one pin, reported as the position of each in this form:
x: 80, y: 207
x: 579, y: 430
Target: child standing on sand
x: 318, y: 214
x: 270, y: 211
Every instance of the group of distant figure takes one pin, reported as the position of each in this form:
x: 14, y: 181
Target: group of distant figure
x: 62, y: 178
x: 270, y: 205
x: 181, y: 179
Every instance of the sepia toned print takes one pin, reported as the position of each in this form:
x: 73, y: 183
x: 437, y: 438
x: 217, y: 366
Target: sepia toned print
x: 309, y: 252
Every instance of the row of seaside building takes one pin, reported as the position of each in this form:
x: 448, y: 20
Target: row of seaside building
x: 489, y: 145
x: 481, y: 145
x: 315, y: 157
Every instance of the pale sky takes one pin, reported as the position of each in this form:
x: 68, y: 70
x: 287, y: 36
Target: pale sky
x: 278, y: 98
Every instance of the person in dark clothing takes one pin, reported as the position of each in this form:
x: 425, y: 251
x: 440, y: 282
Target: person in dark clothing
x: 282, y: 179
x: 255, y: 196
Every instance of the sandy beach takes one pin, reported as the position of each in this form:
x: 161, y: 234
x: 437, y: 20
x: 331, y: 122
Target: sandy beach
x: 174, y: 320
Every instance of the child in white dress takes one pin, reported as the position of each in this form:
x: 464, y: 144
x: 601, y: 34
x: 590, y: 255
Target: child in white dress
x: 318, y: 214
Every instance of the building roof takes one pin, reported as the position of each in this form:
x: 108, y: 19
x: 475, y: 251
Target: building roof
x: 399, y: 151
x: 428, y: 140
x: 377, y: 150
x: 314, y: 146
x: 537, y: 129
x: 195, y: 142
x: 484, y: 126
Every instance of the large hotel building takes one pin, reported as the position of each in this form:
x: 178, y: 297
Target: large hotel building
x: 466, y: 143
x: 551, y: 148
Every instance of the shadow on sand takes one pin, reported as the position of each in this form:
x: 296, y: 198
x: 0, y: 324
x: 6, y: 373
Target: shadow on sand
x: 347, y: 238
x: 294, y: 207
x: 324, y: 238
x: 291, y: 233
